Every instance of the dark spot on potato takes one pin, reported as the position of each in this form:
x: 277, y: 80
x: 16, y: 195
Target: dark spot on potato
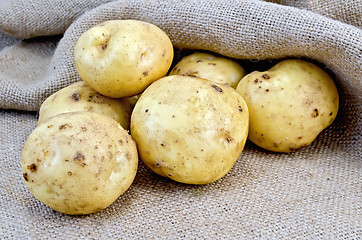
x: 64, y: 126
x: 331, y: 113
x: 212, y: 64
x: 228, y: 137
x: 70, y: 173
x: 300, y: 137
x: 170, y: 174
x: 104, y: 46
x: 259, y: 86
x: 25, y: 176
x: 276, y: 144
x: 315, y: 113
x: 79, y: 158
x: 240, y: 109
x: 265, y: 76
x: 266, y: 90
x: 75, y: 96
x: 49, y: 126
x: 96, y: 147
x: 162, y: 144
x: 217, y: 88
x: 84, y: 129
x: 120, y: 141
x: 173, y: 116
x: 32, y: 167
x: 256, y: 80
x: 146, y: 110
x: 96, y: 98
x: 145, y: 73
x: 158, y: 164
x: 198, y: 61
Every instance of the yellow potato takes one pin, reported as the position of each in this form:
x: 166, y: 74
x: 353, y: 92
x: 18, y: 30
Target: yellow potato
x: 79, y: 162
x: 81, y: 97
x: 120, y: 58
x: 190, y: 129
x: 211, y: 67
x: 290, y: 104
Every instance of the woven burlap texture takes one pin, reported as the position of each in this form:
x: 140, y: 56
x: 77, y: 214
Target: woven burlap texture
x: 314, y: 193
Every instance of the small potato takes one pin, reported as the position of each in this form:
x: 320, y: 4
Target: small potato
x: 211, y: 67
x: 81, y: 97
x: 79, y: 162
x: 190, y: 129
x: 120, y: 58
x: 290, y: 104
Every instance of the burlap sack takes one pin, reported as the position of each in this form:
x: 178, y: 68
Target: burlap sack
x: 314, y: 193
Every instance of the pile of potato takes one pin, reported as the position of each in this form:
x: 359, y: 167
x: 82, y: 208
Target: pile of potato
x: 189, y: 123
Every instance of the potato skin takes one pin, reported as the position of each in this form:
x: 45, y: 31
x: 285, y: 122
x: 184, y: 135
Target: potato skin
x: 80, y: 96
x: 290, y: 104
x: 120, y: 58
x: 79, y: 162
x: 209, y: 66
x: 190, y: 129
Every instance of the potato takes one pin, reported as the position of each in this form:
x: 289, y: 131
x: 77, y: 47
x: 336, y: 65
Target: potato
x: 290, y: 104
x: 190, y: 129
x: 212, y: 67
x: 120, y: 58
x: 81, y: 97
x: 79, y: 162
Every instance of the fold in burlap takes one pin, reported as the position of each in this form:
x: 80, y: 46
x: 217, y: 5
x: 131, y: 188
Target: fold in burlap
x: 314, y: 193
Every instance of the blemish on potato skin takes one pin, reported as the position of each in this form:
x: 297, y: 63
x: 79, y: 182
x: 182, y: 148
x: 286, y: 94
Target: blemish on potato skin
x: 32, y: 167
x: 256, y: 80
x: 212, y: 64
x: 64, y: 126
x: 276, y: 144
x: 96, y: 98
x: 79, y: 158
x: 217, y: 88
x: 315, y: 113
x: 25, y: 176
x: 75, y: 96
x: 240, y: 109
x: 145, y: 73
x: 70, y: 173
x: 265, y: 76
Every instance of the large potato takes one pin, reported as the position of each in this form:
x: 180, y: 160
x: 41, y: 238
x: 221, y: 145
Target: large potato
x: 209, y: 66
x: 120, y: 58
x: 290, y: 104
x: 81, y: 97
x: 79, y: 162
x: 190, y: 129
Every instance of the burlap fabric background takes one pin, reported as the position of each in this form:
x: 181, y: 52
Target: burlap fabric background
x: 314, y: 193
